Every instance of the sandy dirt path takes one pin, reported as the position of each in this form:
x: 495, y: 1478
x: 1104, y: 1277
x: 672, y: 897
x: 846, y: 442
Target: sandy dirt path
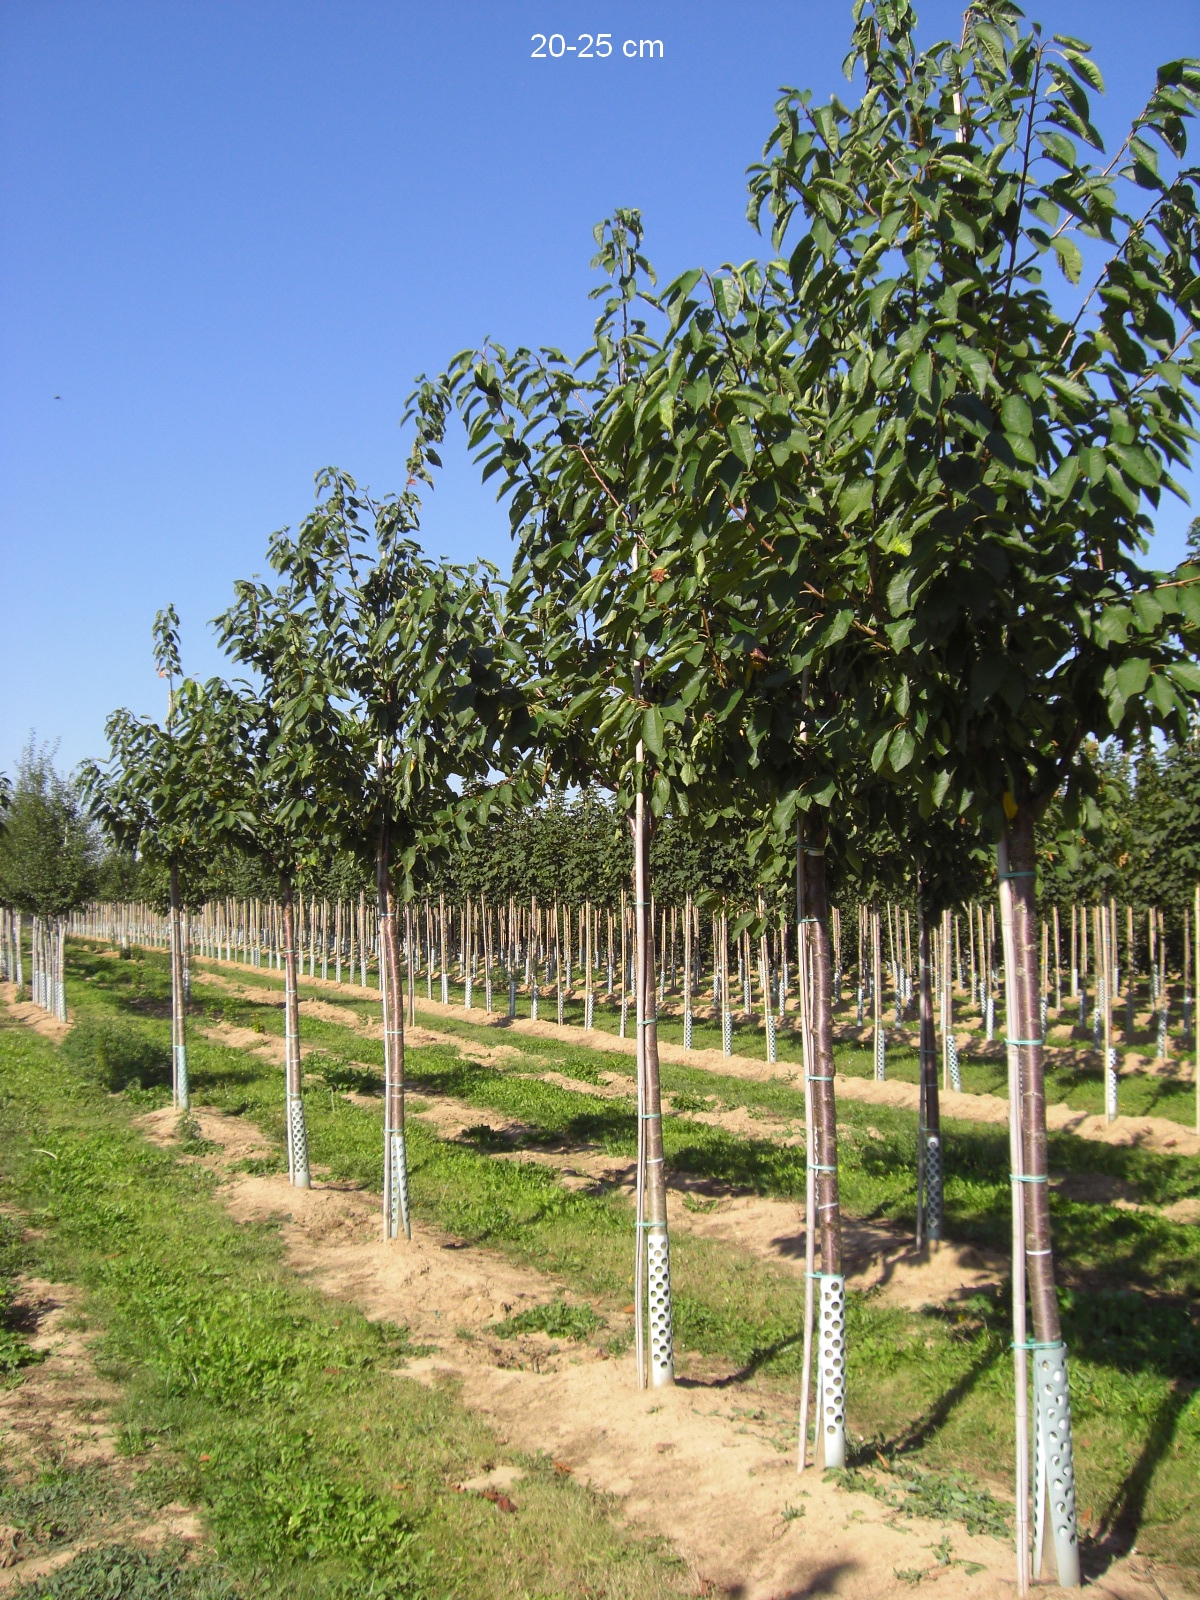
x: 24, y: 1011
x: 709, y: 1465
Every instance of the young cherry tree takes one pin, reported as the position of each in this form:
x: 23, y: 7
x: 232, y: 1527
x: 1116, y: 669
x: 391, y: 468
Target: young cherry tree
x: 614, y: 656
x: 401, y: 699
x: 152, y: 795
x: 1010, y: 440
x: 266, y: 773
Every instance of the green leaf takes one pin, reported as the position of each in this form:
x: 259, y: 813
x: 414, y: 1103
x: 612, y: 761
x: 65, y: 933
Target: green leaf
x: 741, y: 437
x: 902, y: 749
x: 652, y: 730
x: 1069, y: 257
x: 1016, y: 415
x: 975, y: 364
x: 897, y: 591
x: 922, y: 373
x: 1136, y: 463
x: 991, y: 42
x: 1132, y: 676
x: 854, y: 500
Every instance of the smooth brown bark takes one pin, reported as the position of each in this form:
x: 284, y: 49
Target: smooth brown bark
x: 1022, y: 860
x: 392, y: 995
x: 823, y: 1099
x: 930, y: 1226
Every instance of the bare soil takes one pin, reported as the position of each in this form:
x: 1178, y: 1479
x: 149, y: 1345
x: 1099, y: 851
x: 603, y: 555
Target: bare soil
x: 32, y: 1016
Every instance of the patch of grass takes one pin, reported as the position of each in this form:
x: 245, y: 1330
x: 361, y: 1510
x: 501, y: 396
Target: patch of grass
x: 283, y: 1417
x: 127, y: 1572
x: 15, y: 1350
x: 119, y: 1055
x: 556, y: 1318
x: 58, y: 1504
x: 342, y: 1075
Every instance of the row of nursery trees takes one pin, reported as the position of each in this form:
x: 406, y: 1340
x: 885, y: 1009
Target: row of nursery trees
x: 843, y: 547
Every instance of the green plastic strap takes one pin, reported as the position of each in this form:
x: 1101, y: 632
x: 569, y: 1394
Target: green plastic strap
x: 1037, y: 1344
x: 1025, y: 1041
x: 815, y: 1166
x: 649, y: 1116
x: 824, y: 1274
x: 1025, y: 1177
x: 1005, y: 875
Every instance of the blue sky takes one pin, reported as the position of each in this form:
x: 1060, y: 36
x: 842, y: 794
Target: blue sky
x: 234, y: 230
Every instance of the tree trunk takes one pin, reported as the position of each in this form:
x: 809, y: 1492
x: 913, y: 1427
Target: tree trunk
x: 395, y: 1156
x: 652, y: 1218
x: 929, y: 1206
x: 831, y: 1364
x: 1054, y: 1486
x: 179, y: 1067
x: 297, y: 1130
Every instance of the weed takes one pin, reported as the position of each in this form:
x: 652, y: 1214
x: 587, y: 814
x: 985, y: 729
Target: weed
x: 940, y: 1496
x: 556, y: 1318
x: 124, y: 1572
x: 191, y: 1140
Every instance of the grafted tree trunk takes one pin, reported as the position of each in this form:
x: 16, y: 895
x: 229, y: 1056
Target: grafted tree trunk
x: 929, y: 1156
x: 652, y: 1188
x: 1054, y: 1476
x: 831, y: 1346
x: 181, y: 1093
x: 396, y: 1215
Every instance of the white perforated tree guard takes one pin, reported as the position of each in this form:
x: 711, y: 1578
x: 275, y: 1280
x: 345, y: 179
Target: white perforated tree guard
x: 397, y: 1181
x: 727, y: 1032
x: 298, y: 1141
x: 512, y: 996
x: 687, y: 1028
x: 831, y: 1370
x: 1054, y: 1465
x: 662, y: 1338
x: 533, y: 1002
x: 953, y: 1063
x: 933, y: 1186
x: 589, y: 1011
x: 183, y: 1097
x: 880, y: 1054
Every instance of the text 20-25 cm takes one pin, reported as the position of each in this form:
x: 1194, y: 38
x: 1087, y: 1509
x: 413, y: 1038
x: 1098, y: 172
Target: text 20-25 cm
x: 593, y: 46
